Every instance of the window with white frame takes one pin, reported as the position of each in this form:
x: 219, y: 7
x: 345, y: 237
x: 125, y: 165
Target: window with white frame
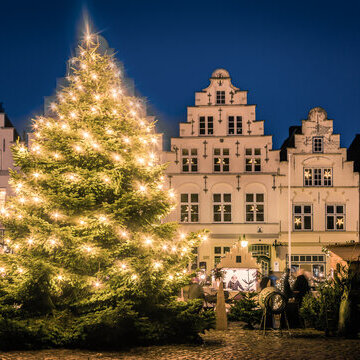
x: 318, y: 177
x: 254, y: 207
x: 189, y: 208
x: 234, y: 125
x: 302, y: 217
x: 206, y: 125
x: 318, y: 144
x: 335, y: 217
x: 189, y: 159
x: 253, y: 159
x: 221, y: 159
x: 222, y: 207
x: 220, y: 97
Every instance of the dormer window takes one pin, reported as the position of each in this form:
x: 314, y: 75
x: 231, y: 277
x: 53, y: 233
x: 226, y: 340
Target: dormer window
x: 318, y: 144
x: 220, y: 97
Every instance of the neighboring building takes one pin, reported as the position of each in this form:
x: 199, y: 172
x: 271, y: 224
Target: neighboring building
x: 324, y: 193
x: 230, y: 181
x: 8, y: 136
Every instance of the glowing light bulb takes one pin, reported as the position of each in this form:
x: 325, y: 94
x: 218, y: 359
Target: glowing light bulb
x: 73, y: 114
x: 60, y: 277
x: 173, y: 249
x: 160, y: 186
x: 182, y: 236
x: 97, y: 284
x: 22, y: 148
x: 52, y: 242
x: 102, y: 218
x: 141, y: 161
x: 93, y: 109
x: 123, y: 266
x: 106, y: 179
x: 86, y: 135
x: 19, y: 216
x: 142, y: 188
x: 154, y: 140
x: 126, y: 140
x: 133, y: 112
x: 20, y: 270
x: 22, y: 200
x: 56, y: 156
x: 2, y: 270
x: 53, y: 106
x: 171, y: 277
x: 36, y: 199
x: 82, y: 222
x: 244, y: 243
x: 109, y: 131
x: 16, y: 246
x: 171, y: 194
x: 148, y: 241
x: 78, y: 148
x: 36, y: 175
x: 124, y: 234
x: 95, y: 145
x: 83, y: 66
x: 134, y: 277
x: 94, y: 77
x: 114, y: 112
x: 30, y: 241
x: 56, y: 215
x: 164, y: 247
x: 157, y: 265
x: 204, y: 237
x: 117, y: 157
x: 88, y: 249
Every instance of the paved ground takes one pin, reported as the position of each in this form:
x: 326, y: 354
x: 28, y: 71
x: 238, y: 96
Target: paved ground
x: 232, y: 344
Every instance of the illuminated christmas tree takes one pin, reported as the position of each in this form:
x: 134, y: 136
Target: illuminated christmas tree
x: 85, y: 228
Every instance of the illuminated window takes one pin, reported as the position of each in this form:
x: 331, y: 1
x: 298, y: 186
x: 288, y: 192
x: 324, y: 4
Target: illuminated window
x: 235, y: 127
x: 252, y: 159
x: 222, y: 207
x: 189, y: 160
x: 254, y: 207
x: 220, y: 97
x: 302, y: 217
x: 221, y: 160
x: 318, y: 177
x: 189, y: 208
x: 318, y: 144
x: 206, y: 125
x: 335, y: 217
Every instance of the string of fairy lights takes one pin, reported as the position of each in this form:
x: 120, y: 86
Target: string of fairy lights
x: 94, y: 92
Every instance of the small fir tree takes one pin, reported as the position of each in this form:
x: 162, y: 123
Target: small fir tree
x: 85, y: 228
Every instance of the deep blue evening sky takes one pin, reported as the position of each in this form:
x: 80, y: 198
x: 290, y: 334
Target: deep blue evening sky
x: 290, y: 55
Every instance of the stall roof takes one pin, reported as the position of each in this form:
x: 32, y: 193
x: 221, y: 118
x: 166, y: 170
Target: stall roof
x: 347, y: 252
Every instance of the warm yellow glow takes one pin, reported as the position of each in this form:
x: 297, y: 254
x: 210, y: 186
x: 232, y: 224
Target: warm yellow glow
x: 60, y: 277
x: 164, y: 247
x: 36, y: 199
x: 123, y: 266
x: 171, y: 277
x: 56, y: 156
x: 134, y: 277
x: 117, y: 157
x: 244, y: 243
x: 78, y: 148
x: 30, y: 241
x: 2, y: 270
x: 22, y: 200
x: 157, y: 265
x: 126, y: 140
x: 297, y: 220
x: 36, y: 175
x: 21, y: 270
x: 73, y: 114
x: 97, y: 284
x: 142, y: 188
x: 56, y: 215
x: 148, y: 241
x: 102, y: 218
x: 141, y: 161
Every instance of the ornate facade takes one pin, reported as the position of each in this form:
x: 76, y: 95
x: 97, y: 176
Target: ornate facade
x: 229, y: 180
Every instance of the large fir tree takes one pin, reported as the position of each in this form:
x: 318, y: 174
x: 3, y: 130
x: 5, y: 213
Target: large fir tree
x: 91, y: 258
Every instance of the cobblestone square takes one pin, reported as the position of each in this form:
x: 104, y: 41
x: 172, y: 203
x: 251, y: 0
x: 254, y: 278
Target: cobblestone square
x: 232, y: 344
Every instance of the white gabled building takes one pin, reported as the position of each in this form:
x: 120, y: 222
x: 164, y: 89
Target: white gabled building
x: 229, y: 180
x: 324, y: 193
x: 225, y: 173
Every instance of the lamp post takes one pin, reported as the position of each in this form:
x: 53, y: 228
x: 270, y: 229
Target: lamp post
x: 289, y: 210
